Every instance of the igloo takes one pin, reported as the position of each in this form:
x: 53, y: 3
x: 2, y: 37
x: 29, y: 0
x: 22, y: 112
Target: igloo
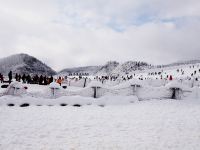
x: 136, y: 84
x: 55, y: 90
x: 95, y: 85
x: 177, y: 89
x: 15, y: 88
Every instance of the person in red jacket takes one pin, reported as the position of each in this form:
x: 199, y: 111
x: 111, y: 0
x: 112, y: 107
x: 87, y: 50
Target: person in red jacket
x: 170, y: 78
x: 59, y: 81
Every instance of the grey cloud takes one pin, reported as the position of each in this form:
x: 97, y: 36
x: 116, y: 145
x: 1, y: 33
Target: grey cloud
x: 76, y: 33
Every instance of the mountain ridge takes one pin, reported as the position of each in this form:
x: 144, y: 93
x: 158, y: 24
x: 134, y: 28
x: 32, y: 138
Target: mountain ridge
x: 24, y: 64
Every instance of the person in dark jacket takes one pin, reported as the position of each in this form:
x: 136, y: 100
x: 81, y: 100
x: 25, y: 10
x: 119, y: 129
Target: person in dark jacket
x: 10, y: 76
x: 41, y: 80
x: 1, y: 78
x: 24, y: 78
x: 19, y: 78
x: 16, y: 77
x: 36, y: 79
x: 45, y: 80
x: 51, y: 79
x: 28, y: 78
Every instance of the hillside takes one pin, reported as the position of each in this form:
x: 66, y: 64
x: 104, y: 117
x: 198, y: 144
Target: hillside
x: 130, y: 66
x: 89, y: 70
x: 24, y: 64
x: 108, y: 68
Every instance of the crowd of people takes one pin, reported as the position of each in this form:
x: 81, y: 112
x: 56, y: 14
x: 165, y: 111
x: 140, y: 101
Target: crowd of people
x: 36, y: 79
x: 26, y: 78
x: 45, y: 80
x: 157, y: 75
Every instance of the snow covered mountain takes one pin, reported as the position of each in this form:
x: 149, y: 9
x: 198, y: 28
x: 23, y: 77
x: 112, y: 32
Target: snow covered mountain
x: 108, y: 68
x: 130, y: 66
x: 24, y: 64
x: 88, y: 70
x: 91, y: 70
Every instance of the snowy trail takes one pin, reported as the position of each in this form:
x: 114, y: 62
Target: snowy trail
x: 152, y: 125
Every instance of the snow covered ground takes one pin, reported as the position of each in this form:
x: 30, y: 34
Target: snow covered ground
x: 142, y: 125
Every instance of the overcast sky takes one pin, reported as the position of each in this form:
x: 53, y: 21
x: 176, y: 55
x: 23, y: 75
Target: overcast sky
x: 68, y: 33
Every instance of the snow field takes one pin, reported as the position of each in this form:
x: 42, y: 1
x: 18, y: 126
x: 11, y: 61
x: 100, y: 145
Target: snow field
x: 152, y: 125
